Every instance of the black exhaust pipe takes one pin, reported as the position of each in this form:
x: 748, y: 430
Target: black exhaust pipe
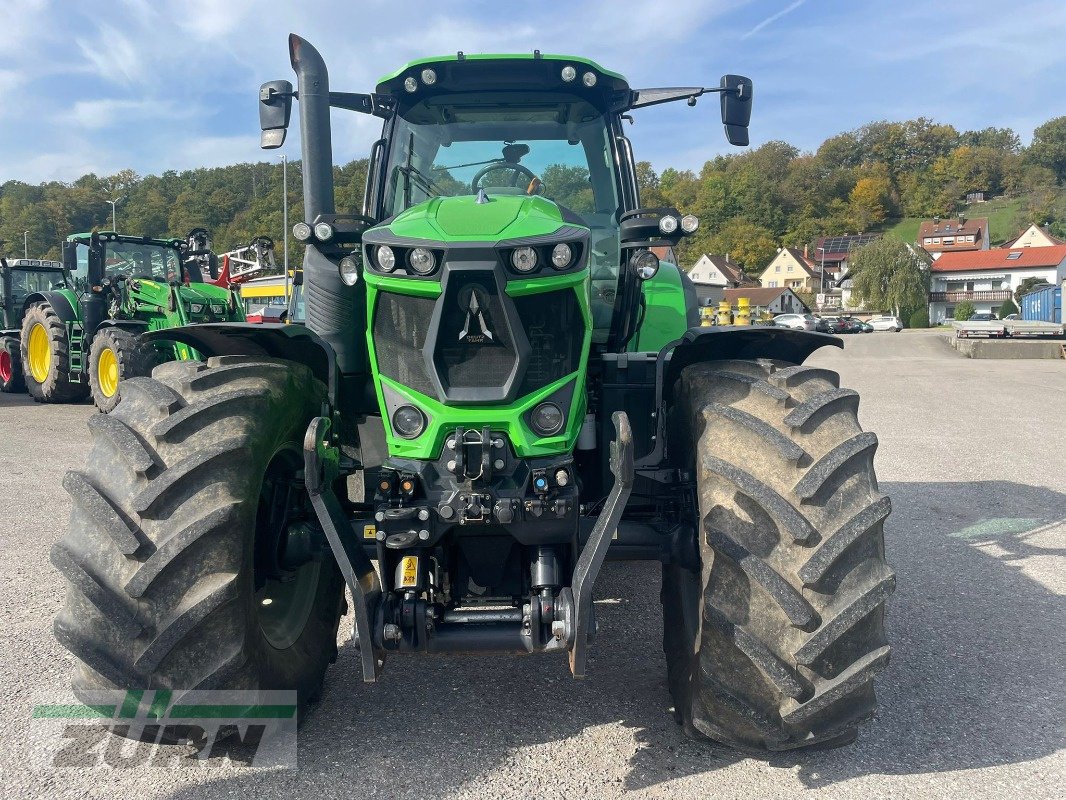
x: 335, y: 311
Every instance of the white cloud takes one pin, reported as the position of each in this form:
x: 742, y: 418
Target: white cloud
x: 774, y: 18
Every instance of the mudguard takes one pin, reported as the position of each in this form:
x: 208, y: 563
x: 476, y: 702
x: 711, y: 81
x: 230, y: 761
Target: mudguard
x: 274, y: 340
x: 63, y: 303
x: 734, y: 341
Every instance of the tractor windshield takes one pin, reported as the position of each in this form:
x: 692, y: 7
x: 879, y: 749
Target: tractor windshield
x: 146, y: 261
x: 556, y: 146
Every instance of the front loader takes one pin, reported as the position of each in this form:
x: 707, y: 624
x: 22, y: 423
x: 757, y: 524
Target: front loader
x: 83, y: 338
x: 498, y: 387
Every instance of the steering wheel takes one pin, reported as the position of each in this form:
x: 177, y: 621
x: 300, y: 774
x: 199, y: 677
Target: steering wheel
x: 517, y: 170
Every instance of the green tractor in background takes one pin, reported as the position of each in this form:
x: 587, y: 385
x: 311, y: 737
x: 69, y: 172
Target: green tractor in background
x: 19, y: 278
x: 498, y: 387
x: 84, y: 338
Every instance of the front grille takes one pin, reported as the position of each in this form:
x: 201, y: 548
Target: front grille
x: 556, y: 331
x: 474, y: 349
x: 401, y: 324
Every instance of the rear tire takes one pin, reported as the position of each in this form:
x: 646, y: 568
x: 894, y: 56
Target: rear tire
x: 114, y: 356
x: 165, y: 549
x: 11, y: 379
x: 45, y: 352
x: 774, y: 642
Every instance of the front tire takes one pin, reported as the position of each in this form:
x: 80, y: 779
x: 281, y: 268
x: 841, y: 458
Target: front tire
x: 11, y: 379
x: 45, y: 352
x: 171, y: 568
x: 774, y: 641
x: 114, y: 356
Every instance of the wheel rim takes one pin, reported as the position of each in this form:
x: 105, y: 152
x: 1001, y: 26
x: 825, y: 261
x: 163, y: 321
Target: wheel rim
x: 39, y: 351
x: 5, y: 366
x: 283, y: 597
x: 107, y: 372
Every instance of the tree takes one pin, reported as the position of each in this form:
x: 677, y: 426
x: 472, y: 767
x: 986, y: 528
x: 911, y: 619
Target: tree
x: 964, y: 310
x: 868, y: 201
x: 750, y: 245
x: 889, y: 274
x: 1006, y: 308
x: 919, y: 318
x: 1027, y: 286
x: 1049, y: 147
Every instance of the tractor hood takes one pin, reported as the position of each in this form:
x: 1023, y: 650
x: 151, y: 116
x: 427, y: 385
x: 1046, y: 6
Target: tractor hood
x: 494, y: 217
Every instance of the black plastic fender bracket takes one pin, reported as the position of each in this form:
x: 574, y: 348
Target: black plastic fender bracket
x: 321, y: 469
x: 595, y: 549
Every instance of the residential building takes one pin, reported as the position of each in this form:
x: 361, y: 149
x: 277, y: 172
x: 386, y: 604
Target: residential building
x: 830, y: 253
x: 1035, y: 236
x: 938, y: 236
x: 987, y: 278
x: 776, y: 300
x: 791, y: 269
x: 713, y: 274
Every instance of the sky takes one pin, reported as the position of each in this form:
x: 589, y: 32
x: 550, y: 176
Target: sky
x: 153, y: 85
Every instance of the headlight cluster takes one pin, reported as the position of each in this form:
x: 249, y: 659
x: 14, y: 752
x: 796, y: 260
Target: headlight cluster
x: 420, y: 261
x: 428, y: 76
x: 525, y: 260
x: 669, y: 224
x: 569, y: 75
x: 408, y: 422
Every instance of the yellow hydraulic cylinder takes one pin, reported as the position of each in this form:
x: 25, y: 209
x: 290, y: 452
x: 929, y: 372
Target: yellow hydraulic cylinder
x: 706, y: 316
x: 743, y: 316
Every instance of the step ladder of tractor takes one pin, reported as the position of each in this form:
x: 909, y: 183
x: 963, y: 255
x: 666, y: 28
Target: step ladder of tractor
x: 77, y: 352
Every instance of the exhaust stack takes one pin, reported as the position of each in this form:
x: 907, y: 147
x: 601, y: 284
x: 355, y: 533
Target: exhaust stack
x: 316, y: 141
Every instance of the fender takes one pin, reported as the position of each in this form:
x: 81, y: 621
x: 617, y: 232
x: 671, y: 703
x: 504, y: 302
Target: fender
x: 61, y: 304
x: 131, y: 325
x: 274, y: 340
x: 721, y: 344
x: 734, y: 341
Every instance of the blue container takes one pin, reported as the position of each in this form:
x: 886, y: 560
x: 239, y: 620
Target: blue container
x: 1043, y: 305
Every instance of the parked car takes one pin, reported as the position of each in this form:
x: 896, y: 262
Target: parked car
x: 803, y: 322
x: 886, y: 324
x: 821, y: 324
x: 1012, y: 316
x: 983, y: 316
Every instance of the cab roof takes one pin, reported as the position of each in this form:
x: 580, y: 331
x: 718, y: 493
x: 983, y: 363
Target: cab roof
x: 508, y: 72
x: 122, y: 237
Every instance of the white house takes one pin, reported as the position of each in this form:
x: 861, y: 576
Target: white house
x: 1035, y: 236
x: 712, y: 275
x: 988, y: 277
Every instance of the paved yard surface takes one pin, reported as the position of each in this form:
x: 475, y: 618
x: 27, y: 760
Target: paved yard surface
x: 973, y: 454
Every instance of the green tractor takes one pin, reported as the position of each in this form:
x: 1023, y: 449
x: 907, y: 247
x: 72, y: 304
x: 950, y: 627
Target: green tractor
x: 19, y: 278
x: 498, y: 387
x: 84, y: 338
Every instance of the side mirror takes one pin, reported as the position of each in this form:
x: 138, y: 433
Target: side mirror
x: 70, y: 257
x: 275, y: 108
x: 736, y: 108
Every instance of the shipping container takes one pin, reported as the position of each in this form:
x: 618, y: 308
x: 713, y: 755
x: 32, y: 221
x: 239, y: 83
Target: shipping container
x: 1043, y: 305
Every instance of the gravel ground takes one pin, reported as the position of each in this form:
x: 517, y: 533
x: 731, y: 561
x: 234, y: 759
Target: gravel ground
x: 973, y: 454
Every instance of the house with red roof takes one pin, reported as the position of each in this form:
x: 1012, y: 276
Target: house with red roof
x: 953, y: 235
x: 1035, y: 236
x: 988, y: 277
x: 791, y: 269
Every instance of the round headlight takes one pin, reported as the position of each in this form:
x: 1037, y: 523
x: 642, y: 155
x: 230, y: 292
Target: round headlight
x: 689, y: 223
x: 323, y: 231
x: 421, y: 260
x: 524, y: 259
x: 568, y: 73
x: 349, y: 270
x: 646, y: 263
x: 429, y: 77
x: 408, y: 422
x: 589, y: 79
x: 301, y: 231
x: 410, y: 84
x: 386, y: 258
x: 668, y: 224
x: 547, y: 419
x: 561, y: 255
x: 562, y: 477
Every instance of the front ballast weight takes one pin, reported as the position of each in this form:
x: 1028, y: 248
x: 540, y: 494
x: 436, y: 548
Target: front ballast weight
x: 403, y: 620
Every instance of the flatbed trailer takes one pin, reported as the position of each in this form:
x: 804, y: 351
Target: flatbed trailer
x: 1004, y: 328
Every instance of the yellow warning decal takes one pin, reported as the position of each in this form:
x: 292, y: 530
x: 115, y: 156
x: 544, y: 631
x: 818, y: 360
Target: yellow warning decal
x: 409, y: 572
x: 369, y: 532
